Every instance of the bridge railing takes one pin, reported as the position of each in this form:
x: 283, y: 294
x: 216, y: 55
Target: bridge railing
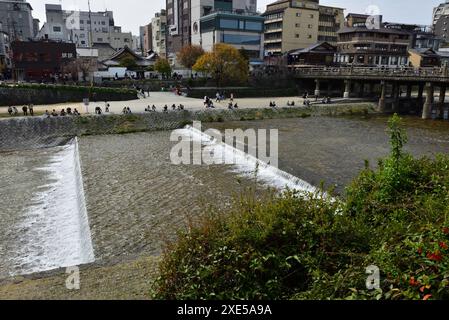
x: 408, y: 72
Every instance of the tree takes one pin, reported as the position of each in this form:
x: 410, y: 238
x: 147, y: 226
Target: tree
x: 224, y: 63
x: 163, y: 67
x: 189, y: 55
x: 128, y: 63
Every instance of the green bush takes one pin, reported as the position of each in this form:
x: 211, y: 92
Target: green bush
x: 296, y: 246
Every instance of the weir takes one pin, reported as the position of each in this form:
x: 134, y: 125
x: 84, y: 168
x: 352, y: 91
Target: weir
x: 246, y: 164
x: 55, y: 229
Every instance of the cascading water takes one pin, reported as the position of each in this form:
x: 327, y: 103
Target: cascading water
x: 53, y: 231
x: 247, y: 164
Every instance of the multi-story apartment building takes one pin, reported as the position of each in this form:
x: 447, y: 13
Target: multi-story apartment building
x: 179, y: 26
x: 159, y: 33
x: 296, y: 24
x: 17, y: 20
x: 147, y: 38
x: 83, y: 28
x: 440, y: 22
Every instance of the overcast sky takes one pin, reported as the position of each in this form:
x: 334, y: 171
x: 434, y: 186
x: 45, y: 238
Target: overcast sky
x: 130, y: 14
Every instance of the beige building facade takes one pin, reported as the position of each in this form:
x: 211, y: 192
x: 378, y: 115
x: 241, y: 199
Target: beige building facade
x: 298, y: 24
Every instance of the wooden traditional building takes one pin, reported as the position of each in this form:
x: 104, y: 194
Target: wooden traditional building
x: 424, y: 58
x: 321, y: 54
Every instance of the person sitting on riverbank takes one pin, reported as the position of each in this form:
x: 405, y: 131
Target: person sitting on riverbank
x: 230, y: 106
x: 290, y: 104
x: 128, y: 110
x: 165, y: 109
x: 75, y: 112
x: 236, y: 106
x: 10, y: 110
x: 107, y: 107
x: 98, y: 110
x: 47, y: 114
x: 15, y: 111
x: 273, y: 104
x: 153, y: 108
x: 173, y: 107
x: 54, y: 113
x: 63, y: 113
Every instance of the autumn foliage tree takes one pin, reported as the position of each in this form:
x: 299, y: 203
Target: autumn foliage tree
x: 189, y: 55
x: 224, y: 63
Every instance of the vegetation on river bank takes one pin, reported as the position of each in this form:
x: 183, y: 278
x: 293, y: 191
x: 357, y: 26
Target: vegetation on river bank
x: 296, y: 246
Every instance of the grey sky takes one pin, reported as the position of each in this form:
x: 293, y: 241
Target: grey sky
x: 130, y: 14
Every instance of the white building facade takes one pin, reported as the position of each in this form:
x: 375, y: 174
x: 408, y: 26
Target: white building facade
x: 83, y: 28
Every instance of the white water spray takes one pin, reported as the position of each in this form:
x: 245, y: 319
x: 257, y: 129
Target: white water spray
x: 56, y: 230
x: 246, y: 164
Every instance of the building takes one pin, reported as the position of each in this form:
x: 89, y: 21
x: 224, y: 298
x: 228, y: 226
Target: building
x: 136, y: 44
x: 295, y: 24
x: 139, y: 64
x: 5, y: 58
x: 42, y: 60
x: 440, y: 22
x: 356, y: 20
x: 179, y: 26
x: 320, y: 54
x: 147, y: 36
x: 440, y: 11
x: 373, y: 47
x: 424, y: 58
x: 83, y: 28
x: 17, y: 20
x: 232, y: 22
x: 159, y: 34
x: 423, y: 37
x: 243, y: 31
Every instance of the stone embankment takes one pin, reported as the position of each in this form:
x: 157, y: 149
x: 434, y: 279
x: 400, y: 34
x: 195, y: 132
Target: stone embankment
x: 26, y: 133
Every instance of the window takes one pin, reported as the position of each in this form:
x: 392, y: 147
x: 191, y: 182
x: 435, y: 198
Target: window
x: 253, y: 25
x: 228, y: 24
x: 57, y: 29
x: 241, y: 39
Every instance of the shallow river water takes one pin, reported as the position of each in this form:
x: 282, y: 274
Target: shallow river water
x: 135, y: 198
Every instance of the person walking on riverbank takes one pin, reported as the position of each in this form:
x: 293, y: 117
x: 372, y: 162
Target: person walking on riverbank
x: 31, y: 109
x: 10, y: 110
x: 25, y: 110
x: 15, y: 111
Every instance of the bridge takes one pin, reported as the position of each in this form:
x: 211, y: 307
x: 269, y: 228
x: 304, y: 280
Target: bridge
x: 425, y: 79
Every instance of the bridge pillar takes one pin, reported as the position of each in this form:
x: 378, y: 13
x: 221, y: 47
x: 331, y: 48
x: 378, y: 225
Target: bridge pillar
x: 361, y: 89
x: 347, y: 89
x: 317, y: 88
x: 420, y: 96
x: 409, y: 91
x: 370, y: 89
x: 383, y: 89
x: 395, y: 95
x: 427, y: 109
x: 441, y: 101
